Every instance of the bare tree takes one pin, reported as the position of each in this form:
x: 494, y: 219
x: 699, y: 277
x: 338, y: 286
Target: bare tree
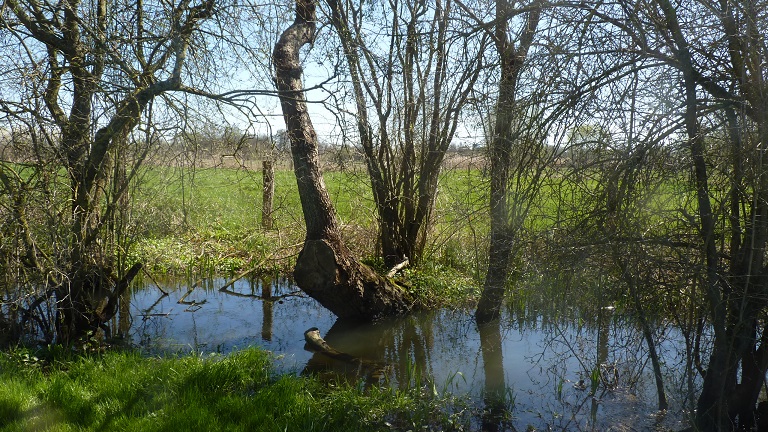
x: 85, y: 74
x: 717, y: 52
x: 410, y: 82
x: 507, y: 142
x: 737, y: 294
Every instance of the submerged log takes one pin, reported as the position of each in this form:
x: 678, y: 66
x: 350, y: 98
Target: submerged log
x: 330, y: 362
x: 316, y: 343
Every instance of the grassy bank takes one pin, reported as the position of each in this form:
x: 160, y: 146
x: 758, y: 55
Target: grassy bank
x: 124, y: 391
x: 207, y: 221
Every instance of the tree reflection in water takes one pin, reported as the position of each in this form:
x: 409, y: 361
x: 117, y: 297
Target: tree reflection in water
x: 396, y: 349
x: 523, y: 370
x: 497, y: 409
x: 266, y: 312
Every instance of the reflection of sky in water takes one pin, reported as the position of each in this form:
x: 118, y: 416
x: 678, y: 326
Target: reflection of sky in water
x: 225, y: 322
x: 540, y: 358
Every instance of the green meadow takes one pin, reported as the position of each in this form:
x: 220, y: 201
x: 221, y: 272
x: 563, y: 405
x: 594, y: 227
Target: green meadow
x: 208, y: 220
x: 127, y: 392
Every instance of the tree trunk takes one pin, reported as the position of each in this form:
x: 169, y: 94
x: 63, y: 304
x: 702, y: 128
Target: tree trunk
x: 714, y: 411
x: 92, y: 305
x: 87, y: 61
x: 502, y: 231
x: 325, y: 268
x: 736, y: 297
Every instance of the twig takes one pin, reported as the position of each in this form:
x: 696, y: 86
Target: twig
x: 154, y: 281
x: 242, y: 275
x: 157, y: 302
x: 298, y: 293
x: 148, y: 315
x: 193, y: 302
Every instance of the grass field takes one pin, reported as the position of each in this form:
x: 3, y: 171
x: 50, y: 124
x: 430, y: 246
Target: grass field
x: 207, y: 221
x: 210, y: 219
x: 127, y: 392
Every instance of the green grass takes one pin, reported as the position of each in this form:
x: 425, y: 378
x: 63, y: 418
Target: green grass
x: 124, y: 391
x: 440, y: 286
x: 209, y: 220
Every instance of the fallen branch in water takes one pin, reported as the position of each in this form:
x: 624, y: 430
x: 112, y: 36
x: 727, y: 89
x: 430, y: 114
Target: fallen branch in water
x: 145, y: 316
x: 298, y: 293
x: 165, y: 293
x: 193, y: 302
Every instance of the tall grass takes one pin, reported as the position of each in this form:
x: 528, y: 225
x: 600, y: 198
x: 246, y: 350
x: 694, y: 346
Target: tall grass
x: 124, y: 391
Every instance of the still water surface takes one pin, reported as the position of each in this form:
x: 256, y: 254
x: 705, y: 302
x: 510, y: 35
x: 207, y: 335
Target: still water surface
x: 544, y: 366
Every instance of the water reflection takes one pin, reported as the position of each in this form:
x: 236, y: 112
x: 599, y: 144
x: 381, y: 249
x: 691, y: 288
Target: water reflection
x: 266, y: 309
x: 566, y: 369
x: 494, y: 418
x: 400, y: 346
x: 359, y: 361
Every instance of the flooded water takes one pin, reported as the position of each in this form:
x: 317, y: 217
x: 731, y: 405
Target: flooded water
x: 543, y: 369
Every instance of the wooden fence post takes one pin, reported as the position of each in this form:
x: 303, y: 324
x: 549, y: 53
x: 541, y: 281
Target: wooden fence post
x: 268, y: 177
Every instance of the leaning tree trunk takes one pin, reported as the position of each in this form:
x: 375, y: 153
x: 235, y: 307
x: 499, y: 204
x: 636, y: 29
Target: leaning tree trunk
x: 325, y: 268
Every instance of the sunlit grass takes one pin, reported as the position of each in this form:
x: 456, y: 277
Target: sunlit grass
x: 442, y: 286
x: 124, y: 391
x: 209, y: 220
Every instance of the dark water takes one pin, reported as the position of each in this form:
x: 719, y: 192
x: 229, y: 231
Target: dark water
x: 543, y: 368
